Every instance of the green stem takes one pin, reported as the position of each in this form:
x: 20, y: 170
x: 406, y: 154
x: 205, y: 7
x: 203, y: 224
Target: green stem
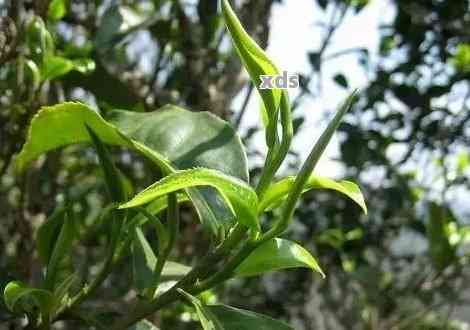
x: 173, y: 220
x: 87, y: 291
x: 278, y: 153
x: 199, y: 272
x: 307, y: 169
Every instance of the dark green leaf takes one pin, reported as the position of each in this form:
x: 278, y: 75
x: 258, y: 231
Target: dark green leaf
x: 112, y: 176
x: 60, y: 260
x: 439, y: 221
x: 239, y: 319
x: 144, y: 261
x: 47, y: 235
x: 221, y: 317
x: 341, y: 80
x: 207, y: 319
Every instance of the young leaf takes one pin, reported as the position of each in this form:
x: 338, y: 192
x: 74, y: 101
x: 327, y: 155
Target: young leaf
x: 144, y: 261
x: 15, y: 292
x: 257, y: 63
x: 308, y: 167
x: 170, y: 137
x: 279, y: 191
x: 277, y: 254
x: 239, y: 319
x: 237, y: 193
x: 208, y: 320
x: 60, y: 261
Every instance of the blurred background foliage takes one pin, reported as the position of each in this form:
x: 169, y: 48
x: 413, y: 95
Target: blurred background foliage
x: 404, y: 266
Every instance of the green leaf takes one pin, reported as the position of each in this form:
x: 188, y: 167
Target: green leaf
x: 239, y: 195
x: 279, y: 191
x: 116, y: 23
x: 19, y: 296
x: 221, y: 317
x: 39, y: 40
x: 208, y: 320
x: 239, y: 319
x: 277, y: 254
x: 170, y: 137
x: 57, y: 9
x: 112, y: 176
x: 461, y: 58
x: 440, y: 220
x: 257, y: 63
x: 60, y: 260
x: 143, y: 325
x: 341, y: 80
x: 47, y: 235
x: 155, y: 207
x: 56, y: 66
x: 144, y: 261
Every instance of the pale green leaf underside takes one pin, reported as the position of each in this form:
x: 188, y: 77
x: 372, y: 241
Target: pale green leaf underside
x: 279, y: 191
x: 277, y: 254
x: 237, y: 193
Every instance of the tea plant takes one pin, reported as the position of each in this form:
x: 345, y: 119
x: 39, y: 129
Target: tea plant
x: 203, y: 163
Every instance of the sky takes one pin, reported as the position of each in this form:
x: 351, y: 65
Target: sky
x: 295, y: 32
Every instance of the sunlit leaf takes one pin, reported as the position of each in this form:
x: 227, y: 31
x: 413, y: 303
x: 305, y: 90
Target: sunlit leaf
x: 277, y: 254
x: 279, y: 191
x: 19, y: 296
x: 57, y: 9
x: 257, y: 63
x: 154, y: 135
x: 237, y: 193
